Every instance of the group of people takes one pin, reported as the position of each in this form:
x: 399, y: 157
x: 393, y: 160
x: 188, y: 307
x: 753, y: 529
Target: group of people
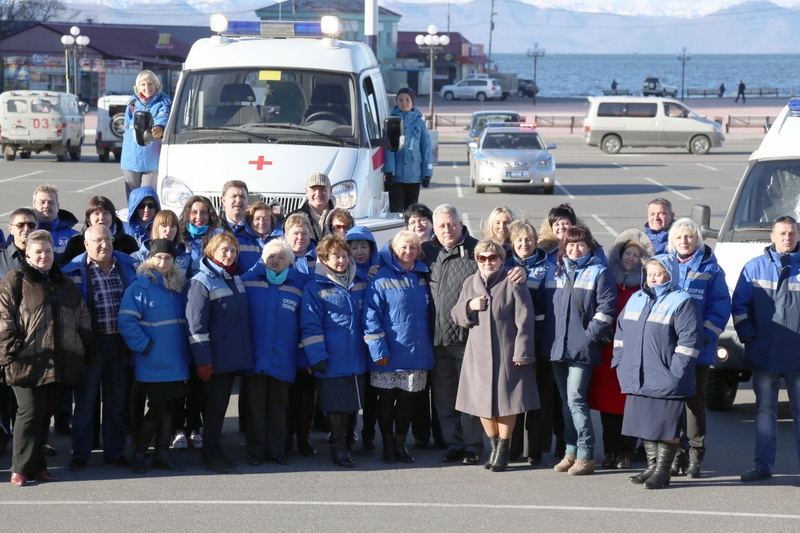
x: 515, y: 336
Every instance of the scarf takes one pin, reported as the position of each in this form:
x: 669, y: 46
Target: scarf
x: 229, y: 269
x: 196, y: 231
x: 277, y: 279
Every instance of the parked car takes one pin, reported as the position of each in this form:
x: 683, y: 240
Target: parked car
x: 481, y: 118
x: 473, y: 89
x: 526, y: 87
x: 656, y: 87
x: 512, y: 156
x: 37, y: 121
x: 110, y: 126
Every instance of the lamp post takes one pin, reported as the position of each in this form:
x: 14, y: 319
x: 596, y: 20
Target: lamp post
x: 683, y: 57
x: 432, y: 41
x: 72, y: 43
x: 535, y: 53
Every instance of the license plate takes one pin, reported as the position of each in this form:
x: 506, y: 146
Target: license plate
x: 517, y: 174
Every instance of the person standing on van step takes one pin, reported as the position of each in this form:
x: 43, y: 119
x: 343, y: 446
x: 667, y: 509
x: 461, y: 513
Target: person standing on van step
x: 660, y: 217
x: 140, y: 163
x: 740, y: 92
x: 411, y: 166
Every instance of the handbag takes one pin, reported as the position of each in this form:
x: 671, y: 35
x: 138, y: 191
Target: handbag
x: 608, y: 334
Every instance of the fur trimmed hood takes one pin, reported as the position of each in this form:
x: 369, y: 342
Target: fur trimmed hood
x: 633, y: 278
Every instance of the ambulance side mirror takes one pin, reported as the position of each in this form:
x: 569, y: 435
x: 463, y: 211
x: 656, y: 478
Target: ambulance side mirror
x: 142, y: 124
x: 393, y: 128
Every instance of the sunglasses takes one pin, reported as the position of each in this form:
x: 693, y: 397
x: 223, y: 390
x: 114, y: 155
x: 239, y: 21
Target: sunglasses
x: 490, y: 258
x: 23, y: 225
x: 147, y: 205
x: 340, y: 227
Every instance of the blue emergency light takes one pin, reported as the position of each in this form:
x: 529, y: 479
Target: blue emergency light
x: 794, y: 106
x: 327, y: 27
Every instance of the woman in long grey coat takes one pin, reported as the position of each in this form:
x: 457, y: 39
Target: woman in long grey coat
x: 498, y: 379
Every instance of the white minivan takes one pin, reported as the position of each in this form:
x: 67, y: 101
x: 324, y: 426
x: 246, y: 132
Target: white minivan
x: 614, y: 122
x: 769, y: 188
x: 36, y: 121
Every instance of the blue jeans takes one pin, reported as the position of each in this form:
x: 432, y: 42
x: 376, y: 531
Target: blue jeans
x: 108, y: 372
x: 766, y: 386
x: 572, y: 380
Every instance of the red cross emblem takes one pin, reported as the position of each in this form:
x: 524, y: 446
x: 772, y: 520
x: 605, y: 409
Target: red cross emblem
x: 260, y: 162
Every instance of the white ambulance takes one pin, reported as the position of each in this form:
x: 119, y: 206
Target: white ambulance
x: 770, y: 187
x: 270, y: 103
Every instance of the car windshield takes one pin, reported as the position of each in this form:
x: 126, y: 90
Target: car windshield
x: 265, y: 102
x: 512, y: 141
x: 479, y: 123
x: 772, y: 189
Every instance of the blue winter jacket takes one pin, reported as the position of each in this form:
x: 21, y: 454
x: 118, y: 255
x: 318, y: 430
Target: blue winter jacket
x: 249, y: 246
x: 305, y: 265
x: 575, y: 339
x: 152, y: 320
x: 537, y: 266
x: 196, y: 251
x: 413, y: 162
x: 218, y: 316
x: 274, y: 322
x: 183, y: 260
x: 660, y: 239
x: 704, y: 280
x: 361, y: 233
x: 659, y: 332
x: 143, y: 158
x: 331, y: 325
x: 61, y: 230
x: 396, y: 324
x: 766, y: 311
x: 133, y: 226
x: 600, y: 256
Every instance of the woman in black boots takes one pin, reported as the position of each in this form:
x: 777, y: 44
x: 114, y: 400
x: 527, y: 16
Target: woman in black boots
x: 333, y: 338
x: 152, y: 322
x: 655, y: 352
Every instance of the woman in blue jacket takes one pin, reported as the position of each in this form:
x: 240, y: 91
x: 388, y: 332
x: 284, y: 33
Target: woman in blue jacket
x: 274, y: 293
x: 219, y: 335
x: 397, y: 332
x: 411, y: 166
x: 198, y: 223
x: 333, y: 338
x: 584, y: 305
x: 140, y: 163
x: 165, y: 226
x: 152, y: 322
x: 143, y: 205
x: 655, y: 351
x: 704, y: 280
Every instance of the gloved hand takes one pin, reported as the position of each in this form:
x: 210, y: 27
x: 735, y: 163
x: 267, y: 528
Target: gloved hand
x: 426, y: 181
x: 321, y: 367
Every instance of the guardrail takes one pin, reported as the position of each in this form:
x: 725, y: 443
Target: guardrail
x: 560, y: 121
x: 761, y: 91
x: 617, y: 92
x: 704, y: 92
x: 747, y: 121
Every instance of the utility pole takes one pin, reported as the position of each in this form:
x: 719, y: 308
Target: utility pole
x: 491, y: 29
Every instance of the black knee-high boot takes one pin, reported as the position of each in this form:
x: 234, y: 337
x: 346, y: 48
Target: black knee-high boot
x: 651, y: 450
x: 666, y: 454
x: 147, y: 428
x: 162, y: 459
x: 339, y: 423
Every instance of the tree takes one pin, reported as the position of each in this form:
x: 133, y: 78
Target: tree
x: 14, y: 14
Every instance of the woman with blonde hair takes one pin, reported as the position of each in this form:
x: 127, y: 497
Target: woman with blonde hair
x: 497, y: 226
x: 165, y: 226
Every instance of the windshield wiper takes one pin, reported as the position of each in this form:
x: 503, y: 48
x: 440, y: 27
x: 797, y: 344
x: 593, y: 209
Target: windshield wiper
x: 238, y: 130
x: 295, y: 127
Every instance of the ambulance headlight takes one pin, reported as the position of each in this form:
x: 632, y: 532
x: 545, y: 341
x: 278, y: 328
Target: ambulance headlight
x: 174, y: 194
x: 345, y: 194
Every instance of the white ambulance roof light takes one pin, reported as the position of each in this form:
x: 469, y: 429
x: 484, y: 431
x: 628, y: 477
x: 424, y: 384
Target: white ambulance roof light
x: 330, y: 26
x: 219, y: 23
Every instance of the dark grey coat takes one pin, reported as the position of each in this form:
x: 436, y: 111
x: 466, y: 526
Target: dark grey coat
x: 491, y: 384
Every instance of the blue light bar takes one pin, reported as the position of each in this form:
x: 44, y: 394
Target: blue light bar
x: 243, y: 27
x: 272, y: 28
x: 794, y: 106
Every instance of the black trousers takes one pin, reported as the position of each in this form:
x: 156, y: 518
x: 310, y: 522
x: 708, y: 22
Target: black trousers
x: 402, y: 195
x: 536, y: 427
x: 35, y: 407
x: 217, y: 396
x: 266, y: 407
x: 395, y: 407
x: 369, y: 414
x: 614, y: 442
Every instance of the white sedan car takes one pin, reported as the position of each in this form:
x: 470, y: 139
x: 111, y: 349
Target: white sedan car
x: 512, y: 157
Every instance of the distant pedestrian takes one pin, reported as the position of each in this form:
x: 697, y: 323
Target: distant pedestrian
x: 614, y: 85
x: 740, y: 92
x: 721, y: 90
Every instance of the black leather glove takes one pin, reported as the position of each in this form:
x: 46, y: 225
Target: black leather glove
x: 426, y: 181
x: 321, y: 367
x: 388, y: 181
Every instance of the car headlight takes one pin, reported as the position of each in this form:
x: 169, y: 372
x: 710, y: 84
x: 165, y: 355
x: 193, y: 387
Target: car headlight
x: 545, y: 163
x: 174, y: 193
x: 487, y: 162
x: 345, y: 194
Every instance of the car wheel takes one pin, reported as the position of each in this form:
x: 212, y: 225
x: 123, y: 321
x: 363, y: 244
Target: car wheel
x: 75, y: 154
x: 118, y: 124
x: 104, y: 156
x: 61, y: 157
x: 700, y: 145
x: 721, y: 388
x: 449, y: 96
x: 651, y: 85
x: 118, y: 155
x: 24, y: 155
x: 611, y: 144
x: 9, y: 153
x: 480, y: 97
x: 520, y: 93
x: 480, y: 189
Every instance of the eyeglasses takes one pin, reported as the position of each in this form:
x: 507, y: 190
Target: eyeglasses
x: 164, y: 257
x: 340, y: 227
x: 147, y: 205
x: 22, y: 225
x: 107, y: 240
x: 490, y: 258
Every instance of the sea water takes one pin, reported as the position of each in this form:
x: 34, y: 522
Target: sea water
x: 577, y: 75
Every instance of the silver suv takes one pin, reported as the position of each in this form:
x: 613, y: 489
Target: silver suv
x: 655, y: 87
x: 473, y: 88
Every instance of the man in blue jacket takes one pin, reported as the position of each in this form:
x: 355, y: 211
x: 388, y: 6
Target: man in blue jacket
x: 51, y: 217
x: 102, y: 275
x: 659, y: 220
x: 766, y: 315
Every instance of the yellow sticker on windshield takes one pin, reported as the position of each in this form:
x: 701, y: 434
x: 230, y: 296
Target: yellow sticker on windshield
x: 269, y: 75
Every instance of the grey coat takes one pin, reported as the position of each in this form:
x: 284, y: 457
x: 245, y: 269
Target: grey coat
x: 490, y: 384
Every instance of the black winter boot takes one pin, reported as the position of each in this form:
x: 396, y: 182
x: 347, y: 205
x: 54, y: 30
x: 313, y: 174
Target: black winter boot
x: 500, y: 462
x: 303, y: 423
x: 660, y: 478
x: 651, y: 452
x: 680, y: 464
x: 162, y: 459
x: 493, y: 453
x: 400, y: 449
x: 389, y: 455
x: 339, y: 429
x: 144, y: 435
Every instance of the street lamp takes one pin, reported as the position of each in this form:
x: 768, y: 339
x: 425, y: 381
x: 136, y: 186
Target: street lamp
x: 535, y: 53
x: 72, y: 43
x: 432, y: 42
x: 683, y: 57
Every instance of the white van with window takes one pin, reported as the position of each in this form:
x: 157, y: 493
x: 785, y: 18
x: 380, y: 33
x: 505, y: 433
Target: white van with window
x: 110, y: 126
x: 769, y: 188
x: 614, y: 122
x: 37, y: 121
x: 270, y: 103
